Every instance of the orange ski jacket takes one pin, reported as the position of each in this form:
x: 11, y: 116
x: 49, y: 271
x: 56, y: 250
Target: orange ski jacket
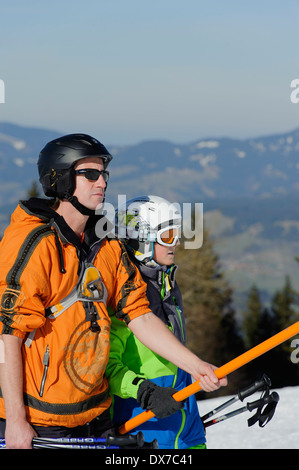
x: 64, y: 364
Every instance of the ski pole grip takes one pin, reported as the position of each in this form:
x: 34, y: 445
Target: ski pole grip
x: 255, y: 404
x: 136, y: 440
x: 273, y: 398
x: 255, y: 387
x: 151, y: 445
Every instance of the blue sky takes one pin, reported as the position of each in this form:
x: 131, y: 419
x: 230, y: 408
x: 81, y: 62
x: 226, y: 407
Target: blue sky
x: 132, y: 70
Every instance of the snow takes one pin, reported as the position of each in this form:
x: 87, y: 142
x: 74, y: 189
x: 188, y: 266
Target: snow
x: 240, y: 153
x: 211, y: 144
x: 282, y: 432
x: 16, y: 143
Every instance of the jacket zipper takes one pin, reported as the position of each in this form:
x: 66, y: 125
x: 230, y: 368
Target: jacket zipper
x: 46, y: 366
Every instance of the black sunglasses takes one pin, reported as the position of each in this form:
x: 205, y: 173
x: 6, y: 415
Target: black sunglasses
x: 92, y: 174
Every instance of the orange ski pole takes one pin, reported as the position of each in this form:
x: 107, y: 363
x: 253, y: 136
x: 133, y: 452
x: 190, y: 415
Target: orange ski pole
x: 221, y: 372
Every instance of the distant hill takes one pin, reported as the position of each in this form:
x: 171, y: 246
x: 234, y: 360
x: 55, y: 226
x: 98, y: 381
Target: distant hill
x: 263, y: 167
x: 257, y: 243
x: 249, y: 188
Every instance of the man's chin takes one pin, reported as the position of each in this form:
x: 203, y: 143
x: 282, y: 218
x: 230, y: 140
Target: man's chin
x: 99, y: 207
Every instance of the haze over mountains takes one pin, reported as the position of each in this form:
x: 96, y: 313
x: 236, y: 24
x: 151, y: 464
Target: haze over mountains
x: 210, y: 168
x: 249, y: 188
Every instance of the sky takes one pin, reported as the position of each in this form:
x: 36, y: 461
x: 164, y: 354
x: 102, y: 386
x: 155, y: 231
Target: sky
x: 126, y: 71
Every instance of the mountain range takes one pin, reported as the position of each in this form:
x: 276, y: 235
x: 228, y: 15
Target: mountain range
x: 249, y: 188
x: 264, y: 167
x: 211, y: 168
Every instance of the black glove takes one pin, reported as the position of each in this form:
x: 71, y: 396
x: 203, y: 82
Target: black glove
x: 158, y: 399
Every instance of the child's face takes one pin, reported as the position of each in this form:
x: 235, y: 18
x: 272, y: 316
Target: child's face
x: 164, y: 255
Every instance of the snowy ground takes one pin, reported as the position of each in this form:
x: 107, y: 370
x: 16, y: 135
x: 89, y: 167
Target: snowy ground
x: 282, y: 432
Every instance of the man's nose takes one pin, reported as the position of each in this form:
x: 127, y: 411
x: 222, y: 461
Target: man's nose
x: 101, y: 182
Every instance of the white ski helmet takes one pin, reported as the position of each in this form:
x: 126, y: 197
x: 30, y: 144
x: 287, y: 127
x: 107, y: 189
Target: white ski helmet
x: 144, y: 220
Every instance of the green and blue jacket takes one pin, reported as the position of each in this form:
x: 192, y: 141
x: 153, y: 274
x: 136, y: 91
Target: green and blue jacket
x: 129, y: 360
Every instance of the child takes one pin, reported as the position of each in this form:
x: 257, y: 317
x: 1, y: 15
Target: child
x: 150, y: 228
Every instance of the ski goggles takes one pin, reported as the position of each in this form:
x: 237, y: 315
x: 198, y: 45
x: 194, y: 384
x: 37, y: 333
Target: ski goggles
x: 92, y: 174
x: 169, y: 236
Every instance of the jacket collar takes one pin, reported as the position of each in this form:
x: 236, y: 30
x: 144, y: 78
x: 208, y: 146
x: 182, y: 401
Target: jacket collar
x: 156, y: 272
x: 41, y: 208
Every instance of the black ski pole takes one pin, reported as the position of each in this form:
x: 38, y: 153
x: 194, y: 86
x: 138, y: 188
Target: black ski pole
x: 132, y: 441
x: 261, y: 416
x: 262, y: 383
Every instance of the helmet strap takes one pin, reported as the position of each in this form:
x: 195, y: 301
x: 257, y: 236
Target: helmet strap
x: 82, y: 209
x: 143, y: 251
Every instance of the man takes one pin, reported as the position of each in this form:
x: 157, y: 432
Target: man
x: 56, y: 279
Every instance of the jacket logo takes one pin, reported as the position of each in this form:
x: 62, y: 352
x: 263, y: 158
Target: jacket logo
x: 86, y: 357
x: 11, y: 299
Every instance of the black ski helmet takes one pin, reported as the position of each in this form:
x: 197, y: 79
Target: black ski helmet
x: 57, y: 160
